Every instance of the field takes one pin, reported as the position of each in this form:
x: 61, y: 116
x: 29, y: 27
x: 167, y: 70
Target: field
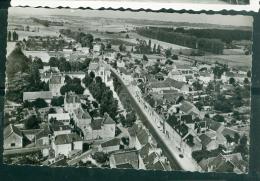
x: 238, y: 61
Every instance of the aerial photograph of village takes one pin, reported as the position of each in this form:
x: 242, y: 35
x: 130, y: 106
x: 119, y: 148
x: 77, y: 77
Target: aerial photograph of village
x: 128, y: 90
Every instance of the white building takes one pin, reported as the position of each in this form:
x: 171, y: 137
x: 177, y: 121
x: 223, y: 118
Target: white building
x: 65, y: 143
x: 71, y: 102
x: 60, y: 117
x: 100, y: 69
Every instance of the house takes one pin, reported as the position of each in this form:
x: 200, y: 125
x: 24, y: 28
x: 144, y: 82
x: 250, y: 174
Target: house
x: 60, y: 117
x: 187, y: 107
x: 101, y: 128
x: 184, y: 69
x: 59, y: 129
x: 110, y: 145
x: 176, y: 75
x: 126, y: 159
x: 65, y: 143
x: 184, y: 137
x: 238, y: 77
x: 32, y: 96
x: 100, y: 69
x: 207, y: 142
x: 169, y: 84
x: 224, y: 163
x: 138, y: 137
x: 13, y: 137
x: 55, y: 84
x: 97, y: 48
x: 81, y: 117
x: 43, y: 138
x: 71, y: 102
x: 205, y: 77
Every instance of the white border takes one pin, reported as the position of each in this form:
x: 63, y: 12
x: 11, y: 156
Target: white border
x: 96, y: 4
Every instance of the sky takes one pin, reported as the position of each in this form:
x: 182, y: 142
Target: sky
x: 234, y: 20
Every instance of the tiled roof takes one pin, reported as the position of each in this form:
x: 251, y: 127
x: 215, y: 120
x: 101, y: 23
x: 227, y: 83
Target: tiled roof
x: 108, y: 119
x: 10, y: 129
x: 183, y: 66
x: 167, y: 83
x: 59, y: 116
x: 96, y: 123
x: 214, y: 125
x: 112, y: 142
x: 60, y: 127
x: 219, y: 164
x: 72, y: 98
x: 187, y: 119
x: 205, y: 140
x: 56, y: 79
x: 143, y: 136
x: 228, y: 131
x: 145, y: 150
x: 81, y: 113
x: 67, y: 138
x: 129, y: 157
x: 149, y: 159
x: 186, y: 106
x: 36, y: 95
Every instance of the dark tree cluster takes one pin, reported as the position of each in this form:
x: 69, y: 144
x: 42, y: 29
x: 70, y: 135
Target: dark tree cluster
x: 86, y: 40
x: 23, y: 75
x: 191, y: 41
x: 12, y: 36
x: 37, y: 103
x: 73, y: 85
x: 57, y: 101
x: 67, y: 66
x: 102, y: 94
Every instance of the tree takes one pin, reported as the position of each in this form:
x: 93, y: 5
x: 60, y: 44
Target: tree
x: 232, y: 81
x: 219, y: 118
x: 168, y: 53
x: 40, y: 103
x: 17, y: 62
x: 197, y: 85
x: 175, y: 57
x: 154, y: 48
x: 87, y: 80
x: 51, y: 111
x: 100, y: 157
x: 57, y: 101
x: 246, y: 81
x: 145, y: 57
x: 130, y: 118
x: 109, y: 46
x: 9, y: 36
x: 249, y: 73
x: 236, y: 138
x: 122, y: 48
x: 169, y: 62
x: 126, y: 36
x: 229, y: 139
x: 32, y: 122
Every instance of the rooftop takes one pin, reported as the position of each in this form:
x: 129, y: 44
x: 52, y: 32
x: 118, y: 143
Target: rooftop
x: 36, y: 95
x: 10, y: 129
x: 112, y: 142
x: 67, y: 139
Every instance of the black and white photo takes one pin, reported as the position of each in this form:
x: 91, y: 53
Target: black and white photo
x: 122, y: 89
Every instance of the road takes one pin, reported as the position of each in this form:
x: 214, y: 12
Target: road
x: 152, y: 121
x: 80, y: 157
x: 24, y: 150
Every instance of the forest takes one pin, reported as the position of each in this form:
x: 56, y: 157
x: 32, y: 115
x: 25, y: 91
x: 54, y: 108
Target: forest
x: 205, y: 44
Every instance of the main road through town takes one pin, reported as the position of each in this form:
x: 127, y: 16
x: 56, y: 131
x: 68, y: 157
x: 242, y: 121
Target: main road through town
x: 147, y: 116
